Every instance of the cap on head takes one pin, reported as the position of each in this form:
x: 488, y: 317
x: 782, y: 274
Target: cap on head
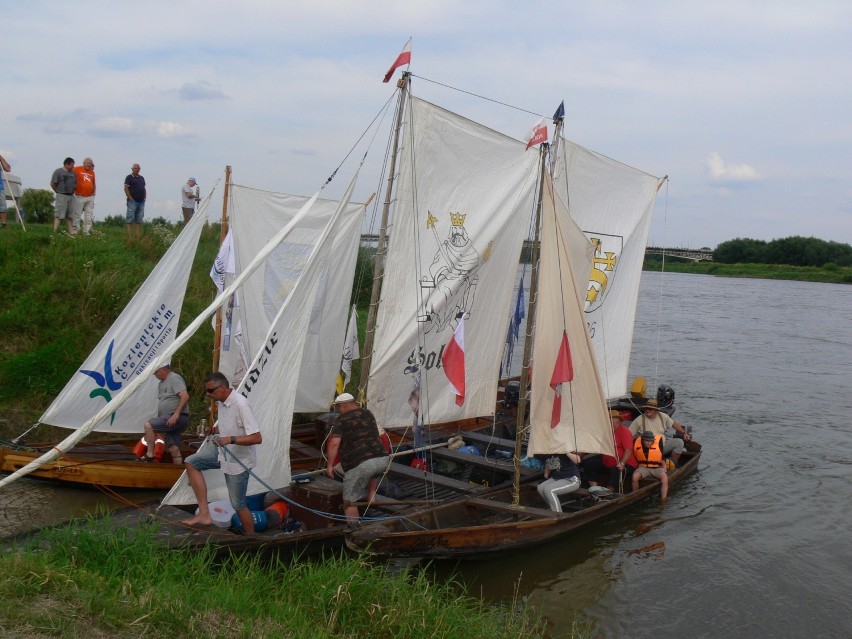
x: 344, y: 398
x: 167, y: 365
x: 192, y: 179
x: 652, y: 404
x: 615, y: 414
x: 648, y: 435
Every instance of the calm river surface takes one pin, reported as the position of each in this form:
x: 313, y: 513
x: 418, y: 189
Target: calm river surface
x: 757, y: 543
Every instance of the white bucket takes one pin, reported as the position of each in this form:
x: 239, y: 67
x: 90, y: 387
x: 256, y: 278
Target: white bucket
x: 221, y: 513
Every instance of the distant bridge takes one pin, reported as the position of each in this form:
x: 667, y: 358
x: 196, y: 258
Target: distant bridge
x: 696, y: 255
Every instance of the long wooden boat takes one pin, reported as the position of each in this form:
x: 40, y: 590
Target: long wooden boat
x: 483, y: 526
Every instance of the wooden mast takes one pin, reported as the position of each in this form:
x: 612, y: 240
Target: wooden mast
x: 522, y: 425
x: 378, y: 266
x: 217, y: 339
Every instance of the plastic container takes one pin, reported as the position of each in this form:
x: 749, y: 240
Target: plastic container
x: 259, y: 518
x: 221, y: 513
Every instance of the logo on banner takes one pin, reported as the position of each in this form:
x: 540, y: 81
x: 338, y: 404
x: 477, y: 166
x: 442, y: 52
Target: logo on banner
x: 141, y: 352
x: 607, y: 253
x: 451, y: 283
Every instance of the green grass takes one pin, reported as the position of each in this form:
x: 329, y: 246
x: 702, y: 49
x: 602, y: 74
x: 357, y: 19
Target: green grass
x: 88, y: 580
x: 829, y: 273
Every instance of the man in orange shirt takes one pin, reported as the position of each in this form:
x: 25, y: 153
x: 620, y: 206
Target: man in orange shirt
x: 85, y: 196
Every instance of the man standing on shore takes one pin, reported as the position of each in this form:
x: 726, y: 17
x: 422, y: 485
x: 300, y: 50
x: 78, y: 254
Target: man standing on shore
x: 64, y: 182
x: 134, y: 189
x: 85, y: 194
x: 189, y: 196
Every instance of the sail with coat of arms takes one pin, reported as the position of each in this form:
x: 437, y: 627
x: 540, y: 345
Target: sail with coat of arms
x: 612, y: 203
x: 461, y: 212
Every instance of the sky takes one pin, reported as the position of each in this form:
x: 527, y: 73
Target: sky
x: 744, y: 105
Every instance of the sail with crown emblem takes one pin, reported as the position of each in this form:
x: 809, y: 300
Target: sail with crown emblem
x: 461, y: 212
x: 612, y: 203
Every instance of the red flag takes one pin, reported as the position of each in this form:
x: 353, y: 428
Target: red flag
x: 453, y: 362
x: 538, y: 134
x: 402, y: 58
x: 563, y: 371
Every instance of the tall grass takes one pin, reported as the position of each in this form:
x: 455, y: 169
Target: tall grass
x: 90, y: 580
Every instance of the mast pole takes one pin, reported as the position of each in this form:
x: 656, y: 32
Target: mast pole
x: 378, y: 266
x: 217, y: 339
x: 522, y: 425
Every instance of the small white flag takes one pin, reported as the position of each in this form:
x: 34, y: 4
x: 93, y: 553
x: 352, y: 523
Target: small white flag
x: 224, y: 263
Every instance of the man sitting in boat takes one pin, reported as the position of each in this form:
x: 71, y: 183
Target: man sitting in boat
x: 561, y: 476
x: 355, y: 436
x: 622, y: 466
x: 648, y: 450
x: 163, y: 431
x: 658, y: 423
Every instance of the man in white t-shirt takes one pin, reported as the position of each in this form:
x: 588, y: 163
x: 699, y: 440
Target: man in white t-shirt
x: 190, y: 194
x: 659, y: 423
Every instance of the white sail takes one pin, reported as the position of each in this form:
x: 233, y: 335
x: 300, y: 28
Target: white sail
x: 460, y: 214
x: 273, y: 376
x: 583, y: 422
x: 146, y: 326
x: 612, y: 203
x: 255, y: 215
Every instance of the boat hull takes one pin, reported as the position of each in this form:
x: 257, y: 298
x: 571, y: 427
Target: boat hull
x: 484, y: 526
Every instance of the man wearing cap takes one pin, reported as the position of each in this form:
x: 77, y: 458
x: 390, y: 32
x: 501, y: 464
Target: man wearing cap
x: 172, y: 416
x: 189, y: 196
x: 355, y: 436
x: 658, y: 423
x: 648, y: 450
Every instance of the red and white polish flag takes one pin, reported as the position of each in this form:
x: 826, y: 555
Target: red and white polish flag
x: 402, y: 58
x: 563, y: 371
x: 537, y: 134
x: 453, y: 363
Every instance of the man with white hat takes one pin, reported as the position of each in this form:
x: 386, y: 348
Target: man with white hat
x: 658, y: 423
x: 190, y: 194
x: 355, y: 436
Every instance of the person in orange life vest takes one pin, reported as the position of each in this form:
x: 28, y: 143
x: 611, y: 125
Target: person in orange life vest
x: 648, y: 450
x: 621, y: 466
x: 84, y: 193
x: 658, y: 423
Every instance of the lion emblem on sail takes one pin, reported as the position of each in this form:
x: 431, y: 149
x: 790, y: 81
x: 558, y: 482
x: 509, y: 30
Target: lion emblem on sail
x: 607, y: 253
x: 450, y: 286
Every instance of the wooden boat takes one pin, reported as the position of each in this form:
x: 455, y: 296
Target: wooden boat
x: 484, y: 526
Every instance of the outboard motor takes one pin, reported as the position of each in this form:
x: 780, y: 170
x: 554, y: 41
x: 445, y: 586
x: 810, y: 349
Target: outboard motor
x: 511, y: 394
x: 665, y: 395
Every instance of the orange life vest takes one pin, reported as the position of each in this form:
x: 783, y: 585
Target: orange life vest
x: 655, y: 453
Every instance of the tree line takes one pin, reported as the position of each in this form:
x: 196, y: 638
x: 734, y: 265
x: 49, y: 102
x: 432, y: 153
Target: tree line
x: 795, y: 251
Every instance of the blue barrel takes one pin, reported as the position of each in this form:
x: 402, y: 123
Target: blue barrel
x: 259, y: 518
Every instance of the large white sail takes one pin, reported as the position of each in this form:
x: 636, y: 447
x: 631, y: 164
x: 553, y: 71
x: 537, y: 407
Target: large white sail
x: 280, y: 360
x: 581, y: 422
x: 612, y: 203
x: 255, y: 215
x: 146, y: 326
x: 460, y: 215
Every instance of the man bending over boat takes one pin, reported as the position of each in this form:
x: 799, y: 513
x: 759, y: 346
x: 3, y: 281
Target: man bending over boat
x: 163, y: 431
x: 648, y: 450
x: 235, y: 436
x: 658, y: 423
x: 561, y: 476
x: 355, y: 436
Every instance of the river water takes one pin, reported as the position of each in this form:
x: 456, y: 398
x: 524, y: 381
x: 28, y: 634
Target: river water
x: 757, y: 543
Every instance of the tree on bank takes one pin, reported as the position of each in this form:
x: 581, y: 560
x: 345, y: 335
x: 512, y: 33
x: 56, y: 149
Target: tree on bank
x: 795, y: 251
x: 38, y: 205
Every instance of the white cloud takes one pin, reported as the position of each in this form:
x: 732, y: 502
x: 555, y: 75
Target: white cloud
x: 200, y: 91
x: 723, y: 172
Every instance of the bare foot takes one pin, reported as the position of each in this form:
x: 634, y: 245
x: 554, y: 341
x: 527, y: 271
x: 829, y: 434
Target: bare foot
x: 199, y: 520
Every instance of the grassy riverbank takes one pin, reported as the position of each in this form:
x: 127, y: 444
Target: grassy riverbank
x: 90, y: 581
x: 830, y: 273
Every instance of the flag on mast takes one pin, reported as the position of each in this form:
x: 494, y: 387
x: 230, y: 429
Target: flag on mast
x: 537, y: 134
x: 224, y: 262
x: 563, y: 371
x: 453, y: 361
x: 403, y: 58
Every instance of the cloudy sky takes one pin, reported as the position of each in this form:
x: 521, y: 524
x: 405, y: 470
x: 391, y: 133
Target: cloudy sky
x: 745, y: 105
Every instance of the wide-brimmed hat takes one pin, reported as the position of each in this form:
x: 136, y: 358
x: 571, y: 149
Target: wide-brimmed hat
x: 651, y: 403
x: 344, y: 398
